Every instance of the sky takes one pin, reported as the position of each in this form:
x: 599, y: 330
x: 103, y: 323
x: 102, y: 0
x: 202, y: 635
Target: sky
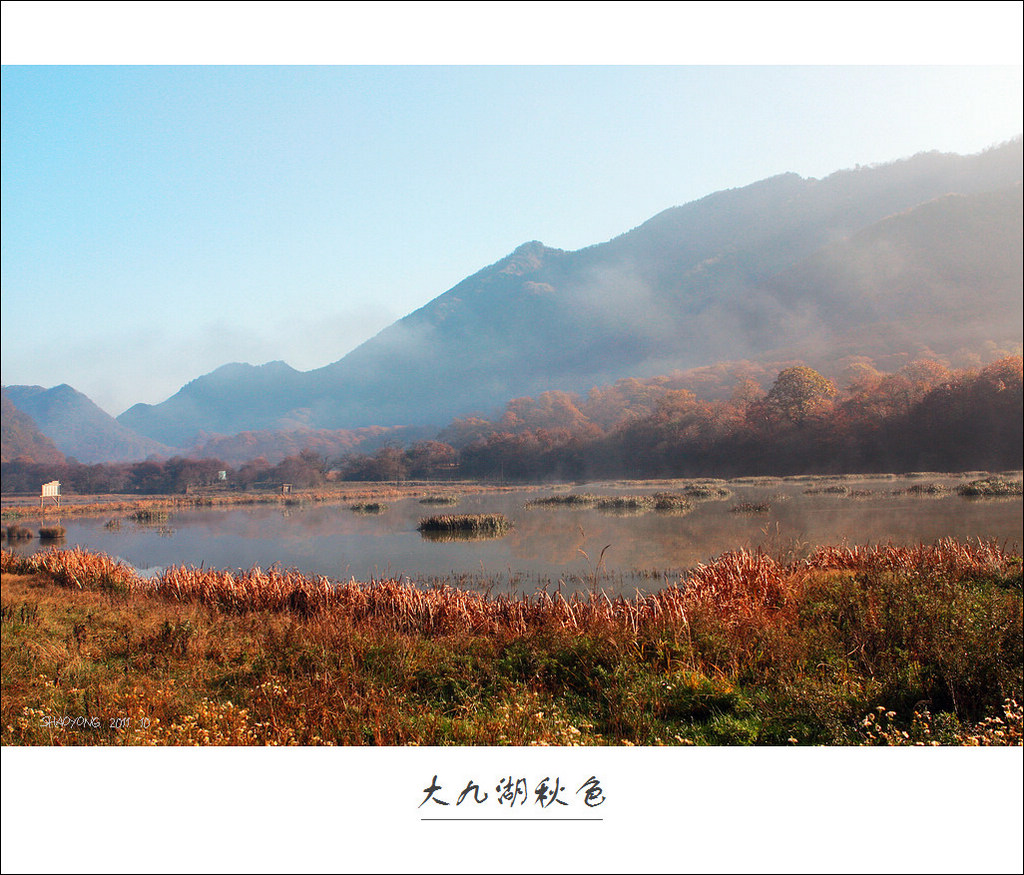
x: 172, y: 202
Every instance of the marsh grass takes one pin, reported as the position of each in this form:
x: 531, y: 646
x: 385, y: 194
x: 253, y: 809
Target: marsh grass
x: 149, y: 516
x: 751, y: 507
x: 707, y: 492
x: 466, y: 523
x: 834, y: 489
x: 368, y: 507
x: 748, y: 649
x: 990, y: 487
x: 671, y: 502
x: 52, y: 533
x: 126, y: 507
x: 626, y: 502
x: 575, y: 499
x: 924, y: 490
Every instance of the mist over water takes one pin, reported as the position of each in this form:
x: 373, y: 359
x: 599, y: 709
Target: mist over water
x: 566, y: 548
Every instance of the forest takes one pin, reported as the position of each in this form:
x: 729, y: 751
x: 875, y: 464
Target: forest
x: 712, y: 422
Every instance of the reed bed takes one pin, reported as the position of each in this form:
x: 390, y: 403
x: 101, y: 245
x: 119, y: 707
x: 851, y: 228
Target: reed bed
x: 626, y: 503
x: 990, y: 487
x: 52, y: 533
x: 440, y: 499
x: 368, y: 507
x: 574, y: 499
x: 149, y: 516
x: 751, y: 507
x: 707, y: 492
x: 474, y: 523
x: 835, y: 489
x: 748, y: 648
x: 923, y: 489
x: 734, y: 583
x: 124, y: 505
x: 671, y: 502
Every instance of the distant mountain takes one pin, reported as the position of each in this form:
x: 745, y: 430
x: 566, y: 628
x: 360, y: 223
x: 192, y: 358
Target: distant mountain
x: 919, y: 254
x: 22, y: 438
x: 79, y: 428
x: 938, y: 277
x: 232, y: 399
x: 274, y: 446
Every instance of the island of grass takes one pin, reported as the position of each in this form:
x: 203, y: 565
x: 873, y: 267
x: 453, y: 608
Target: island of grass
x: 990, y: 487
x: 574, y: 499
x: 368, y: 507
x: 466, y: 523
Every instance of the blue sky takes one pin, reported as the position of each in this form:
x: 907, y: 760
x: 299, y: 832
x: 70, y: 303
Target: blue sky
x: 159, y: 221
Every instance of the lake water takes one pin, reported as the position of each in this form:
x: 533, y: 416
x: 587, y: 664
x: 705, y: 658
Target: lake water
x: 556, y: 548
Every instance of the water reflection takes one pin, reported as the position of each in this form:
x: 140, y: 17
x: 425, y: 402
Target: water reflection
x: 449, y: 536
x: 548, y: 546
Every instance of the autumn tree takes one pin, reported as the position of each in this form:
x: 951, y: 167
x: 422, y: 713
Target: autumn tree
x: 429, y: 459
x: 798, y: 392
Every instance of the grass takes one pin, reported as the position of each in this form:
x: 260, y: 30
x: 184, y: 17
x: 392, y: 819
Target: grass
x: 926, y: 489
x: 368, y: 507
x: 19, y: 507
x: 671, y: 502
x: 707, y: 492
x: 575, y: 499
x: 149, y: 516
x: 990, y: 487
x: 751, y: 507
x: 466, y: 523
x: 879, y: 645
x: 626, y: 504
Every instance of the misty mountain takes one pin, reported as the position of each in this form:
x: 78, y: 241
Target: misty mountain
x: 78, y: 427
x: 22, y: 438
x: 919, y: 254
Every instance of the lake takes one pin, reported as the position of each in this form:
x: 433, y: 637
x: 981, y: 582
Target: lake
x: 554, y: 547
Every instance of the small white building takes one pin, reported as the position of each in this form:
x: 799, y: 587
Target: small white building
x: 50, y: 490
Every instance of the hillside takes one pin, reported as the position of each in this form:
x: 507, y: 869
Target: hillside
x: 78, y: 427
x: 22, y: 439
x: 879, y: 256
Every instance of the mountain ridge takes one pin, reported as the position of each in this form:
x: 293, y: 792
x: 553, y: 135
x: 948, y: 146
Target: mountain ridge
x: 725, y: 277
x: 78, y: 427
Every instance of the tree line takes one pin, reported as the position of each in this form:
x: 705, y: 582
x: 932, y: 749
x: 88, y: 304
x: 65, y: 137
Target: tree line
x: 922, y: 417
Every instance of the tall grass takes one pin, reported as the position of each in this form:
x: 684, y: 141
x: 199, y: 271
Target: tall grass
x: 748, y: 648
x: 469, y: 523
x: 990, y: 487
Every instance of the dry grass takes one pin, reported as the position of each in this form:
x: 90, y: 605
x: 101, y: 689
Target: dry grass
x: 745, y: 649
x: 469, y: 523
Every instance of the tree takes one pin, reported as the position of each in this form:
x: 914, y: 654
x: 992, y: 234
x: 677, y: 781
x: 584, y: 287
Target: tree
x: 798, y: 392
x: 430, y: 459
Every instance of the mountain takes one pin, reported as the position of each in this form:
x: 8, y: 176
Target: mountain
x: 237, y: 449
x: 22, y: 438
x: 919, y: 254
x: 78, y: 427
